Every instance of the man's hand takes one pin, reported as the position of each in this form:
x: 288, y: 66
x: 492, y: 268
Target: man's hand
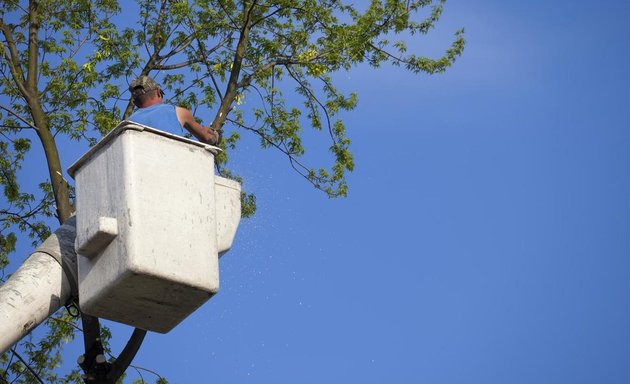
x: 205, y: 135
x: 217, y: 134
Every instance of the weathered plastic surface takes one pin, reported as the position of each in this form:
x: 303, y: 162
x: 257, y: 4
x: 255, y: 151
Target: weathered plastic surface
x: 41, y: 285
x: 228, y: 211
x: 148, y: 209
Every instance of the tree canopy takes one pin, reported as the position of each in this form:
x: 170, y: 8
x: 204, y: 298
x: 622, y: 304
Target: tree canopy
x: 257, y: 67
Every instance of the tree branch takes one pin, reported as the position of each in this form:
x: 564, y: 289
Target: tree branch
x: 313, y: 97
x: 14, y: 114
x: 72, y: 54
x: 127, y: 354
x: 33, y: 46
x: 28, y: 366
x: 13, y: 59
x: 300, y: 168
x: 23, y: 217
x: 157, y: 44
x: 232, y: 86
x: 73, y: 325
x: 186, y: 63
x: 205, y: 54
x: 267, y: 16
x: 180, y: 47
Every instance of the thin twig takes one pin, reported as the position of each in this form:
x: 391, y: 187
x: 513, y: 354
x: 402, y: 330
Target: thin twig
x: 12, y: 112
x: 312, y: 96
x: 68, y: 323
x: 27, y: 365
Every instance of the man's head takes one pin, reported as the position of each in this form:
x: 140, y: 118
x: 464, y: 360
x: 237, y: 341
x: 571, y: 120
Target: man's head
x: 145, y: 91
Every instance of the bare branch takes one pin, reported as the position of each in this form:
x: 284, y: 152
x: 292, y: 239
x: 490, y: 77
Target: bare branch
x: 33, y: 46
x: 138, y: 369
x: 205, y: 54
x: 72, y: 54
x: 127, y: 354
x: 300, y: 168
x: 13, y: 58
x: 73, y: 325
x: 227, y: 14
x: 158, y: 27
x: 232, y: 86
x: 180, y: 47
x: 186, y: 63
x: 254, y: 23
x: 22, y: 217
x: 191, y: 85
x: 386, y: 53
x: 313, y: 97
x: 27, y: 366
x: 15, y: 114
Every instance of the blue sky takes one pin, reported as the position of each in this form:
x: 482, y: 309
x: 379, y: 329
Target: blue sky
x: 484, y: 238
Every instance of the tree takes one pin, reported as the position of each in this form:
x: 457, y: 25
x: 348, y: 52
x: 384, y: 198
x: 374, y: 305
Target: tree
x: 66, y: 65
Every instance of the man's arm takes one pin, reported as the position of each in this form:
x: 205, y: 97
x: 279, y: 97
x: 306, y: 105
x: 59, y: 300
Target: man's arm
x: 203, y: 134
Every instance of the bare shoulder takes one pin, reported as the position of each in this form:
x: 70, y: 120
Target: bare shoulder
x: 183, y: 112
x: 184, y: 115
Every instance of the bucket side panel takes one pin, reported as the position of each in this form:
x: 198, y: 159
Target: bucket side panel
x: 171, y: 190
x: 100, y: 193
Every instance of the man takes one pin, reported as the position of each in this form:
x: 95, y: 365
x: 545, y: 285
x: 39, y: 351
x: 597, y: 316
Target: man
x: 153, y: 112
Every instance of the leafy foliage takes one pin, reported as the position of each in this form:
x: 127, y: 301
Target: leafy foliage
x: 258, y: 67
